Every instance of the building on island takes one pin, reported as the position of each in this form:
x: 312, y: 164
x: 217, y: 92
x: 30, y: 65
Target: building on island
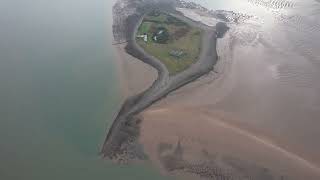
x: 161, y: 35
x: 145, y: 37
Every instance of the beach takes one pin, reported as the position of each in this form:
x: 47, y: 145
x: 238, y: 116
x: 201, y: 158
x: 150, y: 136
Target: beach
x: 226, y: 115
x: 120, y: 141
x: 134, y: 75
x: 242, y: 119
x: 207, y: 137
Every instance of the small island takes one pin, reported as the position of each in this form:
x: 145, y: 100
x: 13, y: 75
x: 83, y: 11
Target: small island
x: 183, y: 135
x: 174, y: 42
x: 179, y: 48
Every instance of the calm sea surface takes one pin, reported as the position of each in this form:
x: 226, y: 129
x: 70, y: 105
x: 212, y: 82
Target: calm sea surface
x: 58, y: 91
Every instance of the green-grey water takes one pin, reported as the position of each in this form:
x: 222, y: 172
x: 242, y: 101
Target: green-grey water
x: 58, y: 91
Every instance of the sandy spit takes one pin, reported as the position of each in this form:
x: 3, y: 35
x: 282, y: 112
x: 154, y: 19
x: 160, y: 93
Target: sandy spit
x: 135, y: 76
x: 118, y: 142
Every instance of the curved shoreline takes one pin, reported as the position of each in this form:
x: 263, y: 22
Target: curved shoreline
x: 120, y: 141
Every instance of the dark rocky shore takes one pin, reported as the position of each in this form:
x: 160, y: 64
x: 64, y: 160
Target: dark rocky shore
x: 121, y: 143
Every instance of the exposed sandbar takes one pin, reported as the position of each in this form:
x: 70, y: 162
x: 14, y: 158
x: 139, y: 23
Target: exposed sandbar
x: 223, y: 122
x: 135, y: 76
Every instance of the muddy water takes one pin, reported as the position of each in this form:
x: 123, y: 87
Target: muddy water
x: 59, y: 91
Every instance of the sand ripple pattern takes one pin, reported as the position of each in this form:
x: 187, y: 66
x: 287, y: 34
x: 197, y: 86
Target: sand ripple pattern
x: 246, y: 35
x: 305, y: 37
x: 300, y: 23
x: 291, y: 74
x: 308, y: 49
x: 273, y: 4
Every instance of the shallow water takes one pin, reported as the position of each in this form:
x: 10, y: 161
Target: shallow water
x: 59, y: 88
x: 59, y: 91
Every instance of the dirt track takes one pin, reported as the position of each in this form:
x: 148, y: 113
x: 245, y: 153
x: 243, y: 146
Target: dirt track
x: 119, y: 142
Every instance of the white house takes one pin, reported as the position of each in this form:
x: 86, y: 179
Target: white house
x: 145, y: 37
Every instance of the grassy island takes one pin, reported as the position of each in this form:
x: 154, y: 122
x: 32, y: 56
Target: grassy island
x: 171, y: 40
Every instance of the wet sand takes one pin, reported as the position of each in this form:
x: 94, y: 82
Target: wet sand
x: 134, y: 75
x: 253, y: 117
x: 252, y: 110
x: 120, y: 141
x: 207, y: 136
x: 205, y: 130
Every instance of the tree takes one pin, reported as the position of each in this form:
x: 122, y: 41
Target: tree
x: 161, y: 35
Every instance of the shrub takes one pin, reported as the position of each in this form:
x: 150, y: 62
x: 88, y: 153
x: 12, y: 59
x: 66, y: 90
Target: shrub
x: 161, y: 36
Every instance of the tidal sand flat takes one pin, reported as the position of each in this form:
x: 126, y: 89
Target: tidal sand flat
x: 198, y: 141
x: 251, y: 94
x: 59, y: 91
x: 120, y: 142
x: 252, y: 116
x: 135, y: 76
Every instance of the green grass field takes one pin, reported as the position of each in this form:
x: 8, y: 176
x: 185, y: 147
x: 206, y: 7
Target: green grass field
x: 182, y: 38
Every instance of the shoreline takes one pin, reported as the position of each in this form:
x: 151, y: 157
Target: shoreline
x: 119, y: 144
x: 134, y: 76
x: 166, y: 131
x: 169, y: 124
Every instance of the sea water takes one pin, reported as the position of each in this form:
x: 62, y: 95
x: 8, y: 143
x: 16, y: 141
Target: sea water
x: 58, y: 91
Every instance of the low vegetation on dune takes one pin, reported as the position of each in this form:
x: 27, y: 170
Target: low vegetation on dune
x: 171, y: 40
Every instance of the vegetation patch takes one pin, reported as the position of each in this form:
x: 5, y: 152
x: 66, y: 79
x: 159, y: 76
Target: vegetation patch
x: 171, y: 40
